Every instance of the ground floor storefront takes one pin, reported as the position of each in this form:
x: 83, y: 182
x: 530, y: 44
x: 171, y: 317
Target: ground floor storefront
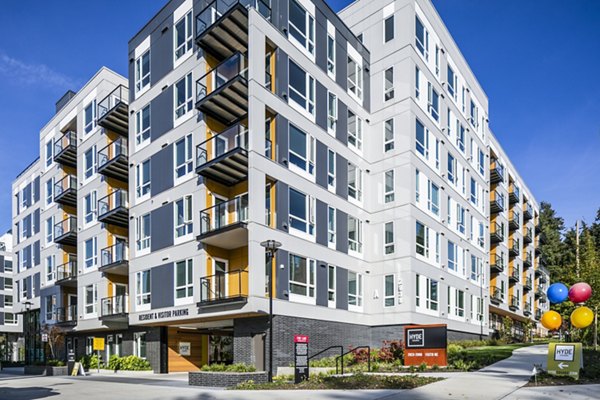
x: 12, y: 347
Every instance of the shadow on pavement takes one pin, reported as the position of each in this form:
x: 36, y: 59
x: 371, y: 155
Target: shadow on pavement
x: 27, y: 393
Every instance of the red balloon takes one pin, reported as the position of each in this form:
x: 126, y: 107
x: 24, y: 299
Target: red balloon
x: 580, y: 292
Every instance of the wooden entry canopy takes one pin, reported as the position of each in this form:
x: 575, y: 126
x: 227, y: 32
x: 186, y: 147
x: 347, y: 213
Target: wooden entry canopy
x: 425, y: 344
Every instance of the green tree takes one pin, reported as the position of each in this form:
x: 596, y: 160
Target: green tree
x: 552, y: 227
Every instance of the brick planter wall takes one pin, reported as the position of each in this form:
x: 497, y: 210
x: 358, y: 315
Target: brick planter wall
x: 225, y: 379
x: 43, y: 370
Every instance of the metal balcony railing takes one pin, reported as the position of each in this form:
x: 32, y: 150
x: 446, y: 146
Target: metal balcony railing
x: 119, y: 96
x: 113, y: 150
x: 116, y: 254
x: 224, y: 214
x: 497, y: 263
x: 66, y: 314
x: 65, y: 229
x: 67, y: 270
x: 230, y: 140
x: 224, y: 287
x: 514, y: 302
x: 114, y: 306
x: 496, y: 294
x: 229, y: 69
x: 497, y: 232
x: 215, y: 10
x: 115, y: 200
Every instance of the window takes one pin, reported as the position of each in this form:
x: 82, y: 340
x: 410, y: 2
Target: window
x: 388, y: 87
x: 8, y: 283
x: 183, y: 96
x: 301, y: 150
x: 302, y: 27
x: 49, y: 148
x: 474, y: 114
x: 142, y: 232
x: 139, y: 341
x: 456, y: 302
x: 142, y: 72
x: 422, y: 38
x: 388, y: 29
x: 433, y: 102
x: 389, y: 295
x: 89, y: 163
x: 330, y: 55
x: 354, y: 234
x: 89, y: 345
x: 142, y: 125
x: 89, y: 114
x: 388, y: 135
x: 474, y: 192
x: 331, y: 226
x: 302, y: 276
x: 422, y: 240
x: 422, y: 140
x: 433, y: 198
x: 142, y: 174
x: 476, y: 269
x: 452, y: 83
x: 49, y: 191
x: 331, y: 285
x: 481, y: 238
x: 452, y: 169
x: 437, y: 60
x: 89, y: 207
x: 331, y: 170
x: 355, y: 289
x: 302, y: 208
x: 183, y: 217
x: 301, y: 89
x: 10, y: 318
x: 417, y: 83
x: 460, y: 218
x: 388, y: 192
x: 49, y: 230
x: 452, y: 256
x: 431, y: 299
x: 417, y: 186
x: 50, y: 268
x: 8, y: 301
x: 355, y: 78
x: 183, y: 36
x: 91, y: 298
x: 142, y: 288
x: 91, y: 252
x: 184, y: 279
x: 388, y: 243
x: 332, y: 112
x: 354, y: 182
x: 50, y: 304
x: 481, y: 163
x: 183, y: 156
x: 355, y: 130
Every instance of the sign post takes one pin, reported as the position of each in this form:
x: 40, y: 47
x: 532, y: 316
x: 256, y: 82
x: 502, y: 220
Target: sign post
x: 565, y: 359
x: 98, y: 346
x: 425, y: 344
x: 301, y: 368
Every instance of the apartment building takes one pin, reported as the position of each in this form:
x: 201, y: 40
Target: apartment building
x: 358, y: 141
x: 11, y: 327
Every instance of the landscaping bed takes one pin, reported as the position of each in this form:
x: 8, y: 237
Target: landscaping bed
x: 590, y: 374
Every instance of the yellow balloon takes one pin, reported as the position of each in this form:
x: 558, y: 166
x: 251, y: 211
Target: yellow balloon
x: 582, y: 317
x: 551, y: 320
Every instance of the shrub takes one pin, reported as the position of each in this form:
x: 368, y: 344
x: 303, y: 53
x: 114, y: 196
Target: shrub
x: 392, y: 350
x: 463, y: 365
x: 134, y: 363
x: 114, y: 362
x: 228, y: 368
x: 55, y: 363
x: 423, y: 366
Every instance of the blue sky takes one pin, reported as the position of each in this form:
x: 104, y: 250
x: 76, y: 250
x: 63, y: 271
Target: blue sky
x: 537, y: 62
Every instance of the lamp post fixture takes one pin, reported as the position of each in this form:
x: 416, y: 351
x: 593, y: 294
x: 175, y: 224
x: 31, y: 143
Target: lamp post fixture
x: 271, y: 247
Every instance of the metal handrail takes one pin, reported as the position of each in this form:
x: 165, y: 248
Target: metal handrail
x: 118, y: 96
x: 327, y: 349
x: 234, y: 137
x: 497, y: 229
x: 213, y: 11
x: 115, y: 305
x: 117, y: 198
x: 496, y: 165
x: 496, y: 293
x: 341, y: 358
x: 118, y: 252
x: 222, y: 286
x: 223, y: 214
x: 67, y: 225
x: 66, y: 140
x: 498, y: 261
x: 66, y: 271
x: 225, y: 71
x: 66, y: 183
x: 112, y: 150
x: 66, y: 314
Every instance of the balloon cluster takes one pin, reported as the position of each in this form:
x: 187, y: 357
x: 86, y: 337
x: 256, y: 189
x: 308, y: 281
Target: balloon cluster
x: 581, y: 317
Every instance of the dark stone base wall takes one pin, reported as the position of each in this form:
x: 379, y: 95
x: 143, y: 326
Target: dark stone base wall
x: 225, y: 379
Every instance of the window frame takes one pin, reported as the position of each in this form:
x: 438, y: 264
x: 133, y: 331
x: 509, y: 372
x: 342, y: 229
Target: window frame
x: 143, y: 243
x: 388, y: 84
x: 89, y: 171
x: 332, y: 113
x: 90, y: 261
x: 331, y: 223
x: 187, y: 106
x: 387, y: 27
x: 355, y: 137
x: 142, y: 79
x: 389, y: 185
x: 355, y: 300
x: 185, y: 167
x: 188, y: 285
x: 309, y: 285
x: 143, y: 299
x: 143, y: 189
x: 143, y: 134
x: 296, y: 97
x: 331, y: 54
x: 388, y: 140
x: 355, y: 87
x: 89, y: 126
x: 188, y: 43
x: 331, y: 170
x: 389, y: 299
x: 388, y: 238
x: 90, y: 306
x: 309, y: 36
x: 309, y: 202
x: 184, y: 228
x: 355, y: 186
x: 305, y: 165
x: 355, y: 245
x: 90, y: 214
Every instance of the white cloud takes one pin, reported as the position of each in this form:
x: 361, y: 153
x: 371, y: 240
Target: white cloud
x: 21, y: 72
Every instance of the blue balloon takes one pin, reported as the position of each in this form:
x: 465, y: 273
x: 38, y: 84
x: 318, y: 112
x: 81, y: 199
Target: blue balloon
x: 557, y: 293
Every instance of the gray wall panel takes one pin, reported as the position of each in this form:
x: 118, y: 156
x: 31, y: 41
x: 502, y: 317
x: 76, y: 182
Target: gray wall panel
x: 341, y: 231
x: 283, y: 274
x: 341, y: 176
x: 161, y: 113
x: 281, y: 80
x: 162, y: 284
x: 161, y: 50
x: 321, y: 167
x: 321, y: 223
x: 341, y: 62
x: 341, y: 288
x: 162, y: 227
x: 321, y: 40
x: 282, y: 130
x: 36, y: 221
x: 321, y: 283
x: 341, y: 132
x: 1, y: 263
x: 161, y: 171
x: 283, y: 206
x: 36, y: 284
x: 321, y: 106
x: 36, y: 253
x: 36, y: 189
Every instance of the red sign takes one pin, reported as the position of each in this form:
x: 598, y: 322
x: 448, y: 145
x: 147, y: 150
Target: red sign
x: 300, y: 339
x: 425, y: 344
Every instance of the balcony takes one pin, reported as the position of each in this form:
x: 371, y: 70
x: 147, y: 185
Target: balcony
x: 222, y: 93
x: 514, y: 248
x: 66, y: 274
x: 222, y: 27
x: 496, y: 172
x: 540, y: 292
x: 65, y: 149
x: 513, y: 305
x: 497, y: 263
x: 527, y: 236
x: 113, y: 111
x: 527, y: 284
x: 496, y: 297
x: 514, y: 276
x: 113, y: 160
x: 543, y: 279
x: 115, y: 259
x: 65, y: 191
x: 496, y: 232
x: 538, y: 314
x: 514, y: 220
x: 114, y: 208
x: 65, y: 232
x: 66, y: 316
x: 538, y: 250
x: 224, y: 224
x: 528, y: 212
x: 527, y: 260
x: 224, y: 288
x: 527, y: 309
x: 224, y: 157
x: 514, y: 194
x: 496, y: 202
x: 114, y: 308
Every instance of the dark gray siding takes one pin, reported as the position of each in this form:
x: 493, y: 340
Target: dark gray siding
x: 283, y: 206
x: 321, y: 167
x: 321, y: 40
x: 366, y: 87
x: 283, y: 274
x: 161, y: 113
x: 36, y: 253
x: 36, y: 189
x: 279, y: 9
x: 36, y: 221
x: 341, y: 132
x: 321, y: 105
x: 341, y: 176
x: 341, y: 231
x: 161, y: 50
x: 341, y: 62
x: 161, y: 282
x: 341, y: 288
x: 36, y: 284
x: 1, y: 263
x: 161, y: 170
x: 282, y: 129
x: 162, y: 227
x: 28, y: 284
x: 321, y: 223
x: 281, y: 79
x: 321, y: 298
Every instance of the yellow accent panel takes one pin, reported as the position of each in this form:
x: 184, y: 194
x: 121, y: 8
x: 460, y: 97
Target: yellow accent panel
x: 273, y: 197
x: 237, y: 261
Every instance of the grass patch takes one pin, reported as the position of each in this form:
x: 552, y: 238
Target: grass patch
x: 474, y: 358
x: 347, y: 382
x: 588, y: 375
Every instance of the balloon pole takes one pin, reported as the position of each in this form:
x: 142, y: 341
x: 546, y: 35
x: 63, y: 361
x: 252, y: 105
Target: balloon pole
x: 596, y: 328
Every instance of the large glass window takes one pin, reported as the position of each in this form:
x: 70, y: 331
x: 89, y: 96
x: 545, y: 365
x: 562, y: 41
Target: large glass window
x: 422, y: 139
x: 49, y: 230
x: 184, y: 96
x: 183, y: 217
x: 422, y: 38
x: 355, y: 130
x: 355, y: 184
x: 142, y: 174
x: 388, y: 135
x: 452, y: 256
x: 332, y: 112
x: 302, y: 276
x: 422, y: 239
x: 91, y: 252
x: 89, y: 162
x: 431, y: 300
x: 433, y: 198
x: 355, y: 234
x: 89, y: 115
x: 49, y: 191
x: 355, y: 289
x: 388, y: 29
x: 139, y: 341
x: 89, y: 207
x: 183, y: 36
x: 452, y: 79
x: 433, y: 102
x: 388, y: 242
x: 451, y: 168
x: 142, y: 287
x: 184, y: 279
x: 331, y: 284
x: 91, y: 299
x: 331, y: 225
x: 50, y: 268
x: 142, y: 71
x: 301, y: 88
x: 355, y: 78
x: 330, y: 55
x: 301, y: 212
x: 142, y: 125
x: 388, y: 84
x: 49, y: 148
x: 389, y: 295
x: 142, y: 232
x: 302, y: 26
x: 388, y: 191
x: 301, y: 150
x: 183, y: 156
x: 331, y: 170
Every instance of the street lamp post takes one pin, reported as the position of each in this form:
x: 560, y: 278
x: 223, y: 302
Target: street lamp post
x: 271, y: 247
